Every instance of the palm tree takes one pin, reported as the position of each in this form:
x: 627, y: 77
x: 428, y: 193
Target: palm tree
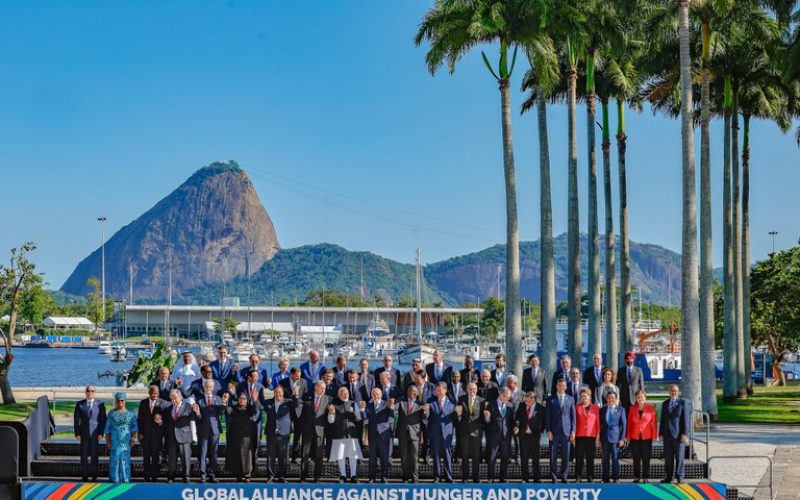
x: 729, y: 346
x: 690, y: 338
x: 541, y: 79
x: 453, y: 28
x: 575, y: 333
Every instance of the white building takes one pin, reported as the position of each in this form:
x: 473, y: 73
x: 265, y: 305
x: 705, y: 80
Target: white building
x: 63, y: 323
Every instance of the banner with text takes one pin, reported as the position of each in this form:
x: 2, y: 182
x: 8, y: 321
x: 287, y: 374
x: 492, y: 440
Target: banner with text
x: 263, y: 491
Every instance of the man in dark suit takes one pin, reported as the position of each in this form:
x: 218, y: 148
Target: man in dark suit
x: 499, y: 418
x: 197, y: 390
x: 208, y: 410
x: 255, y: 365
x: 313, y: 418
x: 366, y: 377
x: 471, y: 432
x: 254, y: 391
x: 340, y: 371
x: 89, y: 421
x: 441, y: 418
x: 295, y: 386
x: 312, y: 369
x: 223, y: 368
x: 165, y: 385
x: 388, y: 391
x: 279, y: 413
x: 358, y: 393
x: 394, y: 373
x: 178, y: 435
x: 438, y: 370
x: 673, y: 430
x: 469, y: 373
x: 530, y: 425
x: 151, y: 433
x: 455, y: 389
x: 410, y: 415
x: 593, y: 375
x: 534, y: 379
x: 379, y: 416
x: 331, y: 384
x: 575, y: 384
x: 630, y: 380
x: 562, y: 372
x: 408, y: 378
x: 500, y: 371
x: 424, y: 394
x: 487, y: 389
x: 612, y: 436
x: 560, y: 425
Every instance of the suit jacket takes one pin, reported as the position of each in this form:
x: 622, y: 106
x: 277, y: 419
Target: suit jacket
x: 533, y: 422
x: 441, y: 421
x: 472, y: 423
x: 380, y: 421
x: 395, y: 379
x: 445, y: 376
x: 425, y: 392
x: 587, y: 423
x: 208, y: 422
x: 517, y: 399
x: 628, y: 389
x: 451, y: 391
x: 287, y: 388
x: 560, y: 420
x: 310, y: 375
x: 501, y: 382
x: 574, y: 389
x: 675, y: 422
x: 612, y: 429
x: 166, y: 386
x: 178, y: 428
x: 394, y: 393
x: 644, y: 426
x: 332, y: 389
x: 557, y: 375
x: 538, y: 386
x: 409, y: 425
x: 89, y: 425
x: 263, y: 377
x: 222, y: 372
x: 489, y: 392
x: 276, y: 379
x: 499, y: 427
x: 368, y: 381
x: 347, y: 415
x: 468, y: 376
x: 279, y: 417
x: 147, y: 425
x: 357, y: 394
x: 196, y: 389
x: 590, y: 379
x: 314, y: 421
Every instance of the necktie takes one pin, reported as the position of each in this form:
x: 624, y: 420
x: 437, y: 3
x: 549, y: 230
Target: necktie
x: 629, y: 374
x: 530, y: 412
x: 455, y: 391
x: 152, y: 404
x: 316, y: 403
x: 609, y: 414
x: 597, y: 374
x: 175, y: 413
x: 560, y: 400
x: 441, y: 406
x: 353, y: 390
x: 471, y: 405
x: 534, y: 373
x: 503, y: 410
x: 91, y: 404
x: 208, y: 401
x: 671, y: 404
x: 252, y: 392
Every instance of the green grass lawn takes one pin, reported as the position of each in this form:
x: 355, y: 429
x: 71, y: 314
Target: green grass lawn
x: 773, y: 405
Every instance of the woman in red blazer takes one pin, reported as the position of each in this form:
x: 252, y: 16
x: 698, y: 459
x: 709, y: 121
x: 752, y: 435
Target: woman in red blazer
x: 587, y: 431
x: 641, y: 433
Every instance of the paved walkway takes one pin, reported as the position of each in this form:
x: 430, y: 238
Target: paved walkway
x: 779, y: 442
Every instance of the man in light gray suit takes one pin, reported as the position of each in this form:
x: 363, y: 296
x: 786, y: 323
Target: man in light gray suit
x: 178, y: 435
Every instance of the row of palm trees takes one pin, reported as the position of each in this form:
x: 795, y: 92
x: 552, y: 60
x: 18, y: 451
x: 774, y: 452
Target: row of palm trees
x: 736, y: 58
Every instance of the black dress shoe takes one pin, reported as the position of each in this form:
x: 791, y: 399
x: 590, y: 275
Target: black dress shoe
x: 213, y: 479
x: 436, y: 480
x: 341, y: 479
x: 537, y: 481
x: 85, y: 479
x: 353, y: 479
x: 564, y: 481
x: 186, y: 480
x: 169, y: 480
x: 636, y: 480
x: 384, y: 480
x: 665, y: 481
x: 203, y: 479
x: 615, y: 480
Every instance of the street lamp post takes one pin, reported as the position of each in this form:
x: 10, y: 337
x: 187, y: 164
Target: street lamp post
x: 773, y: 233
x: 102, y: 219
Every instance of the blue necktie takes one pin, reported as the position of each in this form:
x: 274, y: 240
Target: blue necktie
x: 503, y: 411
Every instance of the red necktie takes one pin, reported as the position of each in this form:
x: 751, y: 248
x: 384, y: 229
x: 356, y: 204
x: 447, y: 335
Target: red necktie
x: 316, y: 404
x: 175, y: 413
x: 209, y: 401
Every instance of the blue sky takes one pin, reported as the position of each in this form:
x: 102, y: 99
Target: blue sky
x: 108, y: 106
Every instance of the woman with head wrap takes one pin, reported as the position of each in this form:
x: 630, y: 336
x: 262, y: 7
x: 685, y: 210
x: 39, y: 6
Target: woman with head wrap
x: 121, y: 428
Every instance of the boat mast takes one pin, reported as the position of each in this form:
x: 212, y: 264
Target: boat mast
x: 419, y: 301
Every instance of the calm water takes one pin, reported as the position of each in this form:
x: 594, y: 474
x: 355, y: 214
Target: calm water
x: 62, y: 367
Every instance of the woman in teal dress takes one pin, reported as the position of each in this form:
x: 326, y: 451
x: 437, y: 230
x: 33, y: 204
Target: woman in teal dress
x: 120, y: 431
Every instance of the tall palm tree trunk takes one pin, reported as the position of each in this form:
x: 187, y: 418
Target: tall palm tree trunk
x: 730, y: 381
x: 737, y: 248
x: 626, y: 323
x: 748, y: 368
x: 690, y: 335
x: 548, y: 268
x: 513, y: 318
x: 612, y: 340
x: 575, y: 334
x: 595, y: 338
x: 706, y: 246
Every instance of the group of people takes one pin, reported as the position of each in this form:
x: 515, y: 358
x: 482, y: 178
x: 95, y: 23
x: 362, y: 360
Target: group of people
x: 432, y: 412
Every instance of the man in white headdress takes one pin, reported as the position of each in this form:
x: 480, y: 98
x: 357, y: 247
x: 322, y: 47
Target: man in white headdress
x: 186, y: 371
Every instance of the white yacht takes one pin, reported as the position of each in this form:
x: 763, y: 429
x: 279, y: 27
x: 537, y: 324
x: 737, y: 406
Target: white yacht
x: 104, y: 347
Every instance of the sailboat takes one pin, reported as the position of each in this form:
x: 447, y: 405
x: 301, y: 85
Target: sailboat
x: 417, y: 349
